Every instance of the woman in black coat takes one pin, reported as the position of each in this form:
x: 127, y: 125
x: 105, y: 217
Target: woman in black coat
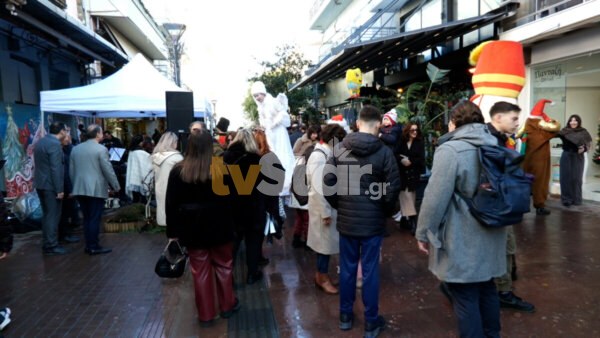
x: 411, y: 165
x: 202, y: 221
x: 250, y: 216
x: 576, y: 142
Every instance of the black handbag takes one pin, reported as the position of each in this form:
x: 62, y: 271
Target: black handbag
x: 171, y: 265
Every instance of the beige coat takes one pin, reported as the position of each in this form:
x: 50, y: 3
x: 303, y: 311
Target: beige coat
x: 302, y: 144
x: 162, y: 163
x: 322, y: 238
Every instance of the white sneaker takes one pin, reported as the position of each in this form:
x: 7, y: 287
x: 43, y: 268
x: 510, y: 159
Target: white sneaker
x: 4, y: 317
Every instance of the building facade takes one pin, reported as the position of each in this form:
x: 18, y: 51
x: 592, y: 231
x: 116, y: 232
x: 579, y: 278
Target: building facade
x: 56, y: 44
x: 391, y: 41
x: 562, y: 40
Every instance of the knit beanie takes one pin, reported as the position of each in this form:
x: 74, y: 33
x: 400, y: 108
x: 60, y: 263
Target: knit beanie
x: 499, y: 68
x: 392, y: 116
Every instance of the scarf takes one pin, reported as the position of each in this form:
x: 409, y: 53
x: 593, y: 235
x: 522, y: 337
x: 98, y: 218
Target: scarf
x: 578, y: 136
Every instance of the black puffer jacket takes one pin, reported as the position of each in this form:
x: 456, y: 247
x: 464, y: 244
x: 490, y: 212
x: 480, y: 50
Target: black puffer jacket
x: 364, y: 204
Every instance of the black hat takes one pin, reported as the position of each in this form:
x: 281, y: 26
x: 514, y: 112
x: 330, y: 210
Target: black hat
x: 223, y: 124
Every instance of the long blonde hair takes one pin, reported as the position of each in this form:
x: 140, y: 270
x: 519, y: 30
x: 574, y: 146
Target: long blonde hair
x: 167, y: 142
x: 246, y: 138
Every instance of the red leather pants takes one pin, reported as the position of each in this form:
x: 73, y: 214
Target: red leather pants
x: 206, y: 263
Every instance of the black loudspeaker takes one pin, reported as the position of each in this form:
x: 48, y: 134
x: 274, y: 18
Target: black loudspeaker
x: 180, y: 111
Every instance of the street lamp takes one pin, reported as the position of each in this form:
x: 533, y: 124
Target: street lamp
x: 214, y: 114
x: 175, y: 46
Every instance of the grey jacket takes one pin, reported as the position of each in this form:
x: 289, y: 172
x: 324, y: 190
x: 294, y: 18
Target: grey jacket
x: 460, y: 249
x: 49, y: 169
x: 91, y: 171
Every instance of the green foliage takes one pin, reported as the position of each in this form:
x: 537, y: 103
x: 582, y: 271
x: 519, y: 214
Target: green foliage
x: 426, y: 103
x: 129, y: 213
x: 383, y: 104
x: 436, y: 74
x: 311, y: 116
x: 250, y: 108
x: 277, y: 76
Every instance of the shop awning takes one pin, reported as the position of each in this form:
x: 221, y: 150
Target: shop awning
x: 136, y: 90
x: 69, y: 32
x: 378, y: 53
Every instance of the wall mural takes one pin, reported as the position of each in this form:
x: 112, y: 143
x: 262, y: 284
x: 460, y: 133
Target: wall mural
x: 20, y: 128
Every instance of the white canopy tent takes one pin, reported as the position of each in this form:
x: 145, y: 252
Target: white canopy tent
x: 137, y: 90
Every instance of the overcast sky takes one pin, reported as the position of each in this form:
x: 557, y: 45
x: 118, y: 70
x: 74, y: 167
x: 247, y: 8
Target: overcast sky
x: 224, y: 41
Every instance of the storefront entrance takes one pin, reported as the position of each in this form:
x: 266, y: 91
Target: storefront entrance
x: 574, y: 87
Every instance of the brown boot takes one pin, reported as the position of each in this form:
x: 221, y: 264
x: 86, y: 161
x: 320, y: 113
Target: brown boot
x: 324, y: 283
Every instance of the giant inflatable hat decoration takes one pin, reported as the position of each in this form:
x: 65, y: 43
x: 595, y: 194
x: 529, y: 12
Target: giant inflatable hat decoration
x: 499, y: 68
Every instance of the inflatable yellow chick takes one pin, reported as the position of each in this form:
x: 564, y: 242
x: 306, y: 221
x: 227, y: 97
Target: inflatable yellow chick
x: 354, y: 81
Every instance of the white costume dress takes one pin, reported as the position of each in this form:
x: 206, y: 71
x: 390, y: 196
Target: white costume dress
x: 273, y: 116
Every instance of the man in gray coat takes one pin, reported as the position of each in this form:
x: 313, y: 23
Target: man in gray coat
x: 462, y: 253
x: 91, y: 174
x: 48, y: 180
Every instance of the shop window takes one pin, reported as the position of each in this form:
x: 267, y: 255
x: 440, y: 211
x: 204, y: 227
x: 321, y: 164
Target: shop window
x: 28, y: 84
x: 431, y: 14
x: 573, y: 85
x: 427, y: 16
x: 58, y: 79
x: 413, y: 23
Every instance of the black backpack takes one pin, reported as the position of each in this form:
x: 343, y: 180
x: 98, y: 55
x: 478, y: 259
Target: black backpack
x: 299, y: 186
x: 504, y: 190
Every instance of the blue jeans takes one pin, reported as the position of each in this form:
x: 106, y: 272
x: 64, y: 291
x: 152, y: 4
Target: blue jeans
x: 366, y: 250
x: 477, y: 308
x: 51, y: 209
x: 322, y: 263
x: 92, y: 208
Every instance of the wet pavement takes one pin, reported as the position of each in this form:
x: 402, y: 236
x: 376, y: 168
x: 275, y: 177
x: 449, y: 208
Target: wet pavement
x: 118, y: 295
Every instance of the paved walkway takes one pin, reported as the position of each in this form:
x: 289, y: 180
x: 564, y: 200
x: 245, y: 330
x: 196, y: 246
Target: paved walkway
x: 118, y: 295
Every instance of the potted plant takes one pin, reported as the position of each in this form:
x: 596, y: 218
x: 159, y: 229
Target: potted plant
x: 128, y: 218
x: 427, y: 103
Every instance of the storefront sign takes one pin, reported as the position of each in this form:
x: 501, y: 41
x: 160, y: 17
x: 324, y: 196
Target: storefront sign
x: 549, y: 75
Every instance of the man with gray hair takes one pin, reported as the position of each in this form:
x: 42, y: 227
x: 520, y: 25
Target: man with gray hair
x: 48, y: 179
x: 91, y: 174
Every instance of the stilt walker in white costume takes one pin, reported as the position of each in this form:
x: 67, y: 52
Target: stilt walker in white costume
x: 273, y: 116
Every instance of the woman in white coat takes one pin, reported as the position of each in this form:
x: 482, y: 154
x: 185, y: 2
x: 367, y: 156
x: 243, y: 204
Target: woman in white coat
x: 323, y: 236
x: 273, y: 116
x: 164, y: 157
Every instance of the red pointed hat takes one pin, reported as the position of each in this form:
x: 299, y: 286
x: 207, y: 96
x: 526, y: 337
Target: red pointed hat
x: 538, y: 110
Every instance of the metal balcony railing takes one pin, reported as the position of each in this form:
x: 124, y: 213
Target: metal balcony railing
x: 533, y: 10
x: 373, y: 28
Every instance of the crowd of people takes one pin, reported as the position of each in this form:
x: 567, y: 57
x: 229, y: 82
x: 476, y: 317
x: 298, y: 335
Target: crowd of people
x: 227, y: 189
